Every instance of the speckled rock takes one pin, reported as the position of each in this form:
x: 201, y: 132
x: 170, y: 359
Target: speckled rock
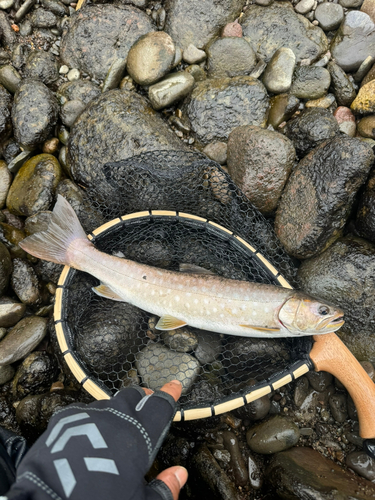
x: 34, y: 185
x: 366, y: 127
x: 282, y: 108
x: 83, y: 90
x: 36, y: 102
x: 365, y: 223
x: 354, y: 41
x: 181, y: 340
x: 279, y: 72
x: 310, y: 82
x: 88, y: 44
x: 212, y: 118
x: 198, y: 21
x: 346, y: 120
x: 364, y: 103
x: 230, y: 56
x: 118, y: 124
x: 70, y: 111
x: 10, y: 312
x: 274, y: 435
x: 43, y: 66
x: 25, y: 282
x: 22, y: 339
x: 343, y: 88
x: 329, y: 15
x: 303, y: 472
x: 5, y: 182
x: 320, y: 194
x: 5, y: 114
x: 38, y: 222
x: 42, y: 18
x: 310, y: 129
x: 35, y: 375
x: 277, y: 25
x: 171, y: 89
x: 5, y: 268
x: 10, y: 78
x: 151, y: 57
x: 259, y: 162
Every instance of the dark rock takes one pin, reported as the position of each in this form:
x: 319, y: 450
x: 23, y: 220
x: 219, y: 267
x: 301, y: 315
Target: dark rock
x: 198, y: 21
x: 7, y: 35
x: 277, y: 25
x: 230, y: 57
x: 36, y: 102
x: 310, y: 82
x: 35, y: 375
x: 237, y: 462
x: 256, y: 410
x: 38, y: 222
x: 70, y: 111
x: 5, y: 268
x: 82, y: 90
x: 218, y: 105
x: 319, y: 195
x: 365, y: 223
x: 10, y: 150
x: 43, y: 66
x: 8, y: 415
x: 362, y: 464
x: 5, y: 114
x: 56, y: 7
x: 259, y: 162
x: 274, y: 435
x: 42, y: 18
x: 343, y: 87
x: 196, y: 72
x: 337, y: 404
x: 209, y: 346
x: 25, y: 282
x: 181, y: 340
x: 6, y: 373
x: 10, y: 312
x: 319, y: 381
x: 48, y: 271
x: 88, y: 43
x: 282, y: 108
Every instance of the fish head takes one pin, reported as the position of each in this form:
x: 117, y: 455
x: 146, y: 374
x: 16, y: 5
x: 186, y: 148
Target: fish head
x: 305, y: 315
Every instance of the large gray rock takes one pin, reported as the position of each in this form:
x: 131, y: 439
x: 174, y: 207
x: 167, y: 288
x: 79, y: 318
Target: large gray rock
x: 365, y: 223
x: 5, y: 268
x: 116, y: 126
x: 198, y: 21
x: 5, y: 114
x: 319, y: 195
x: 276, y: 434
x: 277, y: 25
x: 218, y: 105
x: 230, y: 56
x: 97, y: 35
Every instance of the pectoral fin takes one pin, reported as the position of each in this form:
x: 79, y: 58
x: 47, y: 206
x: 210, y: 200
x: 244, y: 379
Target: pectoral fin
x: 168, y: 322
x: 108, y: 293
x: 261, y: 328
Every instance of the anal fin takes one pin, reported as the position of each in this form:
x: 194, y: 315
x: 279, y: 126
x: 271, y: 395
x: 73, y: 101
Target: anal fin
x: 107, y: 292
x: 262, y: 328
x: 168, y: 322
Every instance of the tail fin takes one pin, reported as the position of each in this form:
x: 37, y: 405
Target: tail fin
x: 63, y: 229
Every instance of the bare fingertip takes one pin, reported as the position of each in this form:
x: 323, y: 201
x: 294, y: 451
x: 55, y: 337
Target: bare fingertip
x: 181, y: 475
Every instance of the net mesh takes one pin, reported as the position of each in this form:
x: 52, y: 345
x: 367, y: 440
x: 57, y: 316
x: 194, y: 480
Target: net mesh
x: 116, y: 343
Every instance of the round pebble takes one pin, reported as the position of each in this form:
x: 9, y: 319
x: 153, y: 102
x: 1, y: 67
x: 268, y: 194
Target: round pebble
x: 193, y: 55
x: 171, y: 89
x: 217, y: 151
x: 329, y: 15
x: 362, y: 464
x: 10, y: 312
x: 73, y: 75
x: 181, y: 340
x: 304, y: 6
x: 232, y: 29
x: 346, y: 120
x: 366, y: 127
x: 279, y: 72
x: 275, y: 435
x: 230, y: 57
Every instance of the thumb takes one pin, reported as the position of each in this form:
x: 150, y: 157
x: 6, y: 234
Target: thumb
x: 175, y: 478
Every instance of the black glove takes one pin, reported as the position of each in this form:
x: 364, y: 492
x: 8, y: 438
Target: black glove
x: 100, y: 451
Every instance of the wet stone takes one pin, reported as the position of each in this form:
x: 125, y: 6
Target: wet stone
x: 193, y: 55
x: 337, y: 404
x: 272, y: 436
x: 83, y: 90
x: 346, y: 120
x: 256, y: 410
x: 282, y: 108
x: 48, y: 271
x: 259, y: 162
x: 10, y: 312
x: 34, y: 185
x: 22, y: 339
x: 319, y: 381
x: 324, y: 102
x: 279, y: 72
x: 364, y: 103
x: 237, y: 462
x: 70, y: 111
x: 180, y: 340
x: 216, y: 151
x: 35, y: 375
x: 25, y: 282
x: 43, y: 66
x: 171, y: 89
x: 277, y: 25
x: 5, y: 117
x: 5, y: 182
x: 6, y: 374
x: 343, y: 88
x: 362, y: 464
x: 5, y: 268
x: 366, y: 127
x: 196, y: 72
x: 151, y: 57
x: 310, y: 129
x: 209, y: 346
x: 365, y: 223
x: 311, y: 216
x: 36, y: 102
x: 10, y: 78
x: 114, y: 75
x: 38, y: 222
x: 230, y: 57
x: 88, y: 44
x: 310, y: 82
x: 58, y: 8
x: 329, y: 15
x: 212, y: 118
x: 42, y: 18
x: 301, y: 391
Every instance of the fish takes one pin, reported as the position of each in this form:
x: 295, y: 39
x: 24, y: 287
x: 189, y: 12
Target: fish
x: 201, y: 300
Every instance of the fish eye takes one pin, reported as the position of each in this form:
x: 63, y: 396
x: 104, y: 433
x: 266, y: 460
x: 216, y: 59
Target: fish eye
x: 323, y: 310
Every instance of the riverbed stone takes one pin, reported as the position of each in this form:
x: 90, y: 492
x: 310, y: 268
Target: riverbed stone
x: 282, y: 108
x: 362, y: 464
x: 354, y: 41
x: 5, y: 115
x: 217, y: 151
x: 230, y: 56
x: 157, y: 365
x: 277, y: 25
x: 279, y: 72
x: 180, y: 340
x: 319, y: 381
x: 35, y: 374
x: 260, y: 162
x: 193, y: 55
x: 70, y: 111
x: 310, y: 82
x: 10, y: 78
x: 22, y: 339
x: 89, y: 45
x: 5, y: 268
x: 42, y: 18
x: 42, y: 65
x: 5, y: 182
x: 346, y: 120
x: 303, y: 472
x: 364, y: 103
x: 34, y: 185
x: 82, y: 90
x: 237, y: 463
x: 217, y: 105
x: 171, y: 89
x: 329, y: 15
x: 366, y: 127
x: 272, y: 436
x: 368, y: 7
x: 310, y: 129
x: 209, y: 346
x: 10, y: 312
x: 34, y: 113
x: 151, y: 57
x: 365, y: 223
x: 338, y: 407
x: 343, y: 88
x: 6, y: 374
x: 198, y: 21
x: 312, y: 215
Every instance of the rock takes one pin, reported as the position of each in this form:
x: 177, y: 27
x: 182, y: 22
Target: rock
x: 366, y: 127
x: 70, y: 111
x: 8, y: 36
x: 5, y: 182
x: 118, y: 125
x: 279, y: 72
x: 319, y: 381
x: 35, y: 375
x: 171, y: 89
x: 311, y: 216
x: 197, y: 72
x: 6, y: 374
x: 282, y: 108
x: 151, y: 57
x: 232, y: 29
x: 272, y: 436
x: 181, y: 340
x: 351, y: 4
x: 82, y: 90
x: 365, y: 223
x: 88, y: 44
x: 346, y: 120
x: 237, y: 462
x: 259, y: 162
x: 43, y: 66
x: 270, y: 28
x: 256, y: 410
x: 216, y: 151
x: 36, y: 102
x: 334, y: 276
x: 6, y: 4
x: 337, y: 404
x: 368, y: 8
x: 354, y: 41
x: 193, y: 55
x: 364, y: 103
x: 5, y: 116
x: 38, y: 222
x: 42, y: 18
x: 329, y: 15
x: 34, y: 185
x: 212, y: 118
x: 209, y: 346
x: 300, y: 472
x: 323, y: 102
x: 156, y: 365
x: 343, y: 88
x: 232, y: 56
x: 25, y: 282
x: 22, y: 339
x: 198, y: 21
x: 310, y: 82
x: 10, y: 312
x: 362, y: 464
x: 114, y: 75
x: 304, y: 6
x: 5, y: 268
x: 58, y: 8
x: 10, y: 78
x: 310, y: 129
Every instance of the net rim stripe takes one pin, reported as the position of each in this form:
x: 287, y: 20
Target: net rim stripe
x: 184, y: 414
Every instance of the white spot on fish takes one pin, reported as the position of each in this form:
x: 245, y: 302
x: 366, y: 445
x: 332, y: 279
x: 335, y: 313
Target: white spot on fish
x: 234, y: 311
x: 187, y: 305
x: 214, y: 310
x: 205, y: 301
x: 221, y: 315
x: 188, y: 294
x: 254, y: 313
x: 195, y: 301
x: 266, y: 309
x: 177, y: 298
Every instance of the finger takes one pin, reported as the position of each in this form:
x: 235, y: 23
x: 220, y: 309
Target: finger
x: 147, y: 391
x: 175, y: 478
x: 173, y: 388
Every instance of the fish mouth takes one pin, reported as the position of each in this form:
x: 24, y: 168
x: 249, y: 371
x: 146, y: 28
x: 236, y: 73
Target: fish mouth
x: 335, y: 324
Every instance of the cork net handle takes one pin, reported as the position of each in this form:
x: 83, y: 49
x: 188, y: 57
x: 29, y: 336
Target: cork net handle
x: 330, y: 354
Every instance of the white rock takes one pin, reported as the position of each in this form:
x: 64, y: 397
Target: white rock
x: 193, y: 55
x: 74, y: 74
x: 64, y: 70
x: 304, y: 6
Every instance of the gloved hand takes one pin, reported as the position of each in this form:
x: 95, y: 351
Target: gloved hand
x: 103, y: 450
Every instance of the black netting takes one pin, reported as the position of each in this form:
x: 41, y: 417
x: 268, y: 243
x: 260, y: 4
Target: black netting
x: 117, y: 343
